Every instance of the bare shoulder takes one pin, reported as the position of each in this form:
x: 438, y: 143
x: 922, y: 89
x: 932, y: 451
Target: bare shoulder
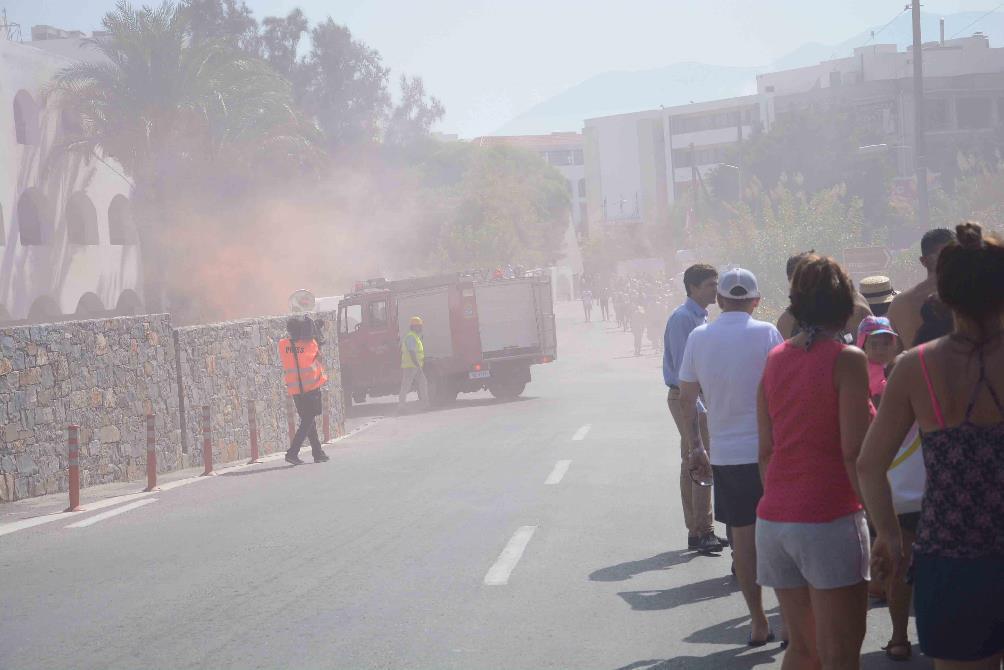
x: 851, y: 356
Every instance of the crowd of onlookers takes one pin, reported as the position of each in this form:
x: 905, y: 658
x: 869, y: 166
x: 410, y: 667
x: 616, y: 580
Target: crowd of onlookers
x: 855, y: 447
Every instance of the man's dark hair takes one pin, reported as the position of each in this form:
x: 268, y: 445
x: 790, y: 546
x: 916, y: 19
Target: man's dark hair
x: 695, y: 275
x: 295, y: 326
x: 971, y: 273
x: 934, y: 240
x: 794, y: 260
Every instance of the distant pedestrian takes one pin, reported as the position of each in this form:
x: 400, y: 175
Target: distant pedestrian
x: 701, y: 283
x: 904, y: 311
x: 811, y: 536
x: 304, y: 375
x: 879, y: 293
x: 604, y: 300
x: 953, y: 387
x: 725, y: 360
x: 638, y: 327
x: 587, y: 304
x: 413, y: 365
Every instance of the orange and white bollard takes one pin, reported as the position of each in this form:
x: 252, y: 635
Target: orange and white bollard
x: 253, y: 430
x: 151, y: 454
x: 290, y: 417
x: 207, y: 442
x: 73, y: 448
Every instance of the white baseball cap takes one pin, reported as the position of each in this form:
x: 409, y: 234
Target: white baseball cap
x: 738, y: 283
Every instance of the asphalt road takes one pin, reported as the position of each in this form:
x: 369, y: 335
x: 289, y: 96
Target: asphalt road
x: 565, y: 502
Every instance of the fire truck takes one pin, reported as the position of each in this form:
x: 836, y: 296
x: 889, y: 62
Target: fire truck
x: 477, y: 334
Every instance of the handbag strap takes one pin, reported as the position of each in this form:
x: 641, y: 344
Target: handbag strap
x: 296, y: 361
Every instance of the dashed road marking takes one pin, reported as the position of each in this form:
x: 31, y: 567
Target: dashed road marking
x: 498, y: 574
x: 581, y: 433
x: 90, y: 521
x: 560, y: 468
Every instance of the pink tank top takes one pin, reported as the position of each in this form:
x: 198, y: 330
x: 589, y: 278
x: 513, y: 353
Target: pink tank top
x: 806, y: 479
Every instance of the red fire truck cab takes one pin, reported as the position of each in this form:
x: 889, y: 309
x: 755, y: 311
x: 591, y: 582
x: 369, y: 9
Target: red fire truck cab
x: 477, y: 335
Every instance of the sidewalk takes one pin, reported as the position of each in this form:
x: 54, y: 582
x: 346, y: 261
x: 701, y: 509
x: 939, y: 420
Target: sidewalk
x: 105, y: 495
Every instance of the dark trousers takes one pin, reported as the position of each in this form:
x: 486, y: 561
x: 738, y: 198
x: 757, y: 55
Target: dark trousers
x: 306, y: 430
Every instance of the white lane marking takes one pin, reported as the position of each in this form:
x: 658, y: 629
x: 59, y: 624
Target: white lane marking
x: 581, y: 433
x: 498, y: 574
x: 90, y: 521
x: 560, y: 468
x: 61, y: 516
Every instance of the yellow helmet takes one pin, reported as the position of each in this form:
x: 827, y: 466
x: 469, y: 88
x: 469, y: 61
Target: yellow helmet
x: 416, y: 321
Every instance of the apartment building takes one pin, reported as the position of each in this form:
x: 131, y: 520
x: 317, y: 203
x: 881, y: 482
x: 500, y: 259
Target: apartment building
x: 68, y: 245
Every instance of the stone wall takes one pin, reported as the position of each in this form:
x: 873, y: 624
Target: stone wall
x: 103, y: 375
x: 228, y: 366
x: 106, y: 375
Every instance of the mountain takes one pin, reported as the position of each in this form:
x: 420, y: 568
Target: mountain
x: 620, y: 92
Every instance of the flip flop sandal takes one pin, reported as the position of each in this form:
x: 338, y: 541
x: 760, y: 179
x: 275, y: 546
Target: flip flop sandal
x: 899, y: 655
x: 750, y: 642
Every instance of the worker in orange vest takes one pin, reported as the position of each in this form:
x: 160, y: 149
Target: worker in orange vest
x: 304, y: 376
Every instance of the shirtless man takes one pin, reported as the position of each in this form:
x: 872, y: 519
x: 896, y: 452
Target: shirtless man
x: 904, y: 312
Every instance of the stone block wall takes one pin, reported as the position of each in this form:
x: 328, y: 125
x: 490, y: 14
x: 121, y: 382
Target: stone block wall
x: 227, y: 367
x: 103, y: 375
x: 107, y: 375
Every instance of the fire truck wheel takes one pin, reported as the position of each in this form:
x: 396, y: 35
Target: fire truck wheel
x: 506, y: 390
x: 441, y: 392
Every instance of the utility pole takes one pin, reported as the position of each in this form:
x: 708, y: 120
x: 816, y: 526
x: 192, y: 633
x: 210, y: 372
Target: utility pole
x: 919, y: 120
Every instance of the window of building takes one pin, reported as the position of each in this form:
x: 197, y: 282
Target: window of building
x: 121, y: 229
x: 582, y: 188
x: 973, y: 113
x: 560, y: 157
x: 81, y: 220
x: 25, y: 118
x: 33, y: 218
x: 936, y: 114
x: 377, y: 314
x: 577, y: 158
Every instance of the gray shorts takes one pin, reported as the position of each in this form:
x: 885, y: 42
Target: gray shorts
x: 821, y: 555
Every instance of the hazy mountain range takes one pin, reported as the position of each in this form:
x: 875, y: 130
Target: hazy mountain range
x: 680, y: 83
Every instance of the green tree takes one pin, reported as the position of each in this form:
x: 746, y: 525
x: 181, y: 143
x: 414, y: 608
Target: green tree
x: 413, y: 117
x: 345, y: 86
x: 177, y: 113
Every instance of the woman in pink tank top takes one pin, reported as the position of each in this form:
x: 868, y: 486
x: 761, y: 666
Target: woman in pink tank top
x: 813, y: 411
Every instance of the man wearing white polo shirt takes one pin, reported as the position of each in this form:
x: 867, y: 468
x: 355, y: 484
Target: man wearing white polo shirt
x: 724, y: 361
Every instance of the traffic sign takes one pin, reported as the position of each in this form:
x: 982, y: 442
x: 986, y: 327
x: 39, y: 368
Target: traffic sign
x: 866, y: 260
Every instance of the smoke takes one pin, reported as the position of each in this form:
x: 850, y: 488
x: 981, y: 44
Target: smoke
x: 232, y: 257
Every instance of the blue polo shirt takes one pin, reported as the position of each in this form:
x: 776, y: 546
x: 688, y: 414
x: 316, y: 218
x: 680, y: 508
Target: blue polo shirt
x: 682, y: 322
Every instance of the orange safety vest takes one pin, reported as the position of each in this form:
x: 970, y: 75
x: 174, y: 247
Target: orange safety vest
x: 311, y: 371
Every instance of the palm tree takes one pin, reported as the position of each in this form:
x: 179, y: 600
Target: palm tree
x: 170, y: 109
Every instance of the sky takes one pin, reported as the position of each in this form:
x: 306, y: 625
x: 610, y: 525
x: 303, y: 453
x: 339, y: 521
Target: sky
x: 490, y: 60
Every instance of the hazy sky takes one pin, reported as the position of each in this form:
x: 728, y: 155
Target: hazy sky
x: 489, y: 60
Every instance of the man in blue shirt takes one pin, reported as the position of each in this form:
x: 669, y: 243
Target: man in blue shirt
x: 701, y: 284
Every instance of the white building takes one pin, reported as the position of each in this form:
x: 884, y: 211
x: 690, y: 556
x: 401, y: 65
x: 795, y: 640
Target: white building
x: 67, y: 239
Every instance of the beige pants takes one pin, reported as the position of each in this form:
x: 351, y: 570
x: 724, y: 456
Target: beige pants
x: 408, y: 378
x: 696, y: 499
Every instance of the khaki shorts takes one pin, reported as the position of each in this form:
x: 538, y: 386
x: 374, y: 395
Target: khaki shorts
x: 821, y: 555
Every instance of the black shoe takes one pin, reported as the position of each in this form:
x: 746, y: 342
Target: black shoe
x: 709, y: 544
x: 693, y: 541
x: 293, y: 460
x: 321, y: 458
x: 723, y: 540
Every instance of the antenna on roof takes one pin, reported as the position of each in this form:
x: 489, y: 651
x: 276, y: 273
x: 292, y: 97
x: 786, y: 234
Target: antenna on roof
x: 9, y: 31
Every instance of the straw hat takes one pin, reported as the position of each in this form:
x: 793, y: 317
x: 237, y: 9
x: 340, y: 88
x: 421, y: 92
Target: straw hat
x: 877, y: 290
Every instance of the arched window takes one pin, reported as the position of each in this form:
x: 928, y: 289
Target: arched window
x: 43, y: 309
x: 121, y: 229
x: 129, y: 304
x: 25, y: 118
x: 34, y: 219
x: 81, y: 220
x: 89, y: 306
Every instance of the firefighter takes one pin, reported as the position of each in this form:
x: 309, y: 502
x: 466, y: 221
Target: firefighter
x: 304, y: 376
x: 412, y: 364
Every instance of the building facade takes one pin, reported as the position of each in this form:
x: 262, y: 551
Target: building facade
x: 67, y: 238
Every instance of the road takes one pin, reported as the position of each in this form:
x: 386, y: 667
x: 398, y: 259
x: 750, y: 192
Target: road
x: 565, y: 502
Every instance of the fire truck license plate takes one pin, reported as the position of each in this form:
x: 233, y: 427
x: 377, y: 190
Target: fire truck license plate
x: 481, y: 374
